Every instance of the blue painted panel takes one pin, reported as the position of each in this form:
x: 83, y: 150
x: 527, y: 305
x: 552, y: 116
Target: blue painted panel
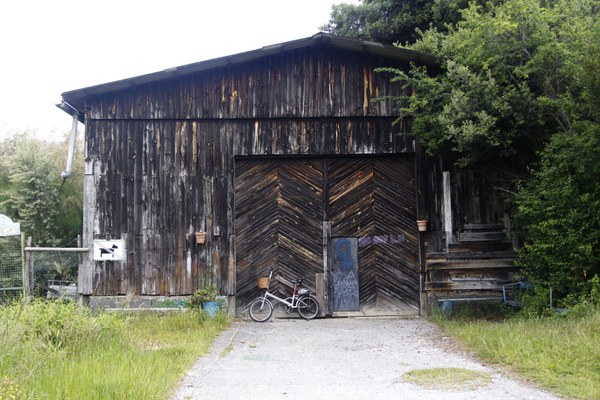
x: 345, y: 274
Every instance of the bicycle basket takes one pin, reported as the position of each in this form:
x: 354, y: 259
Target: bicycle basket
x: 263, y: 283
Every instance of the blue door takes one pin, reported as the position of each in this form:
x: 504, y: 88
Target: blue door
x: 345, y: 274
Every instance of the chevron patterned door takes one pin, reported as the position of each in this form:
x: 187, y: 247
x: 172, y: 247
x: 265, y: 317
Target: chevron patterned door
x: 278, y: 214
x: 373, y: 199
x: 280, y: 207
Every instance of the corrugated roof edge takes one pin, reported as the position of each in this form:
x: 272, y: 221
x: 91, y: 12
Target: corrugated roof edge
x: 76, y: 98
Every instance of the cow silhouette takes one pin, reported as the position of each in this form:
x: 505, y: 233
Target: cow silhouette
x: 111, y: 250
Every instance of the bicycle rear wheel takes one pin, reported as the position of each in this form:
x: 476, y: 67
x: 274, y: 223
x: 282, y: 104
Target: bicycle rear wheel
x: 308, y: 307
x: 260, y: 310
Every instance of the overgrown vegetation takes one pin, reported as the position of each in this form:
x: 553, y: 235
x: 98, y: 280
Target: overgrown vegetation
x: 560, y: 353
x: 559, y: 349
x: 515, y: 89
x: 391, y: 21
x: 58, y: 350
x: 559, y: 214
x: 33, y: 193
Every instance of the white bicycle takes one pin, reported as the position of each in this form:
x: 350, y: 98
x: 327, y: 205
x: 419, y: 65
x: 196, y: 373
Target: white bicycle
x: 302, y: 300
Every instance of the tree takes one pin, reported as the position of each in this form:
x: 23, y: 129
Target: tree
x: 518, y: 88
x: 511, y: 77
x: 559, y: 213
x: 34, y: 194
x: 392, y: 21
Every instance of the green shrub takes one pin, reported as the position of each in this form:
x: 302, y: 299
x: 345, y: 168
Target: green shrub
x: 536, y: 302
x: 559, y: 214
x: 207, y: 293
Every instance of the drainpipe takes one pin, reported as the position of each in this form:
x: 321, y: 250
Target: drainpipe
x: 67, y: 172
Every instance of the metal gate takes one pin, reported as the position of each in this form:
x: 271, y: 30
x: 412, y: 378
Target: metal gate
x: 11, y: 259
x: 283, y: 205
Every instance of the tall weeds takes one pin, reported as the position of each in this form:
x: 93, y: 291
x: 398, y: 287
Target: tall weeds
x: 560, y: 352
x: 58, y: 350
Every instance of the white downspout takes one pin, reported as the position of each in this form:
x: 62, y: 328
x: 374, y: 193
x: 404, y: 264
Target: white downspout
x: 68, y: 170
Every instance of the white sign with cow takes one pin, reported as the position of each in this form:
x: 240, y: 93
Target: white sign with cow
x: 109, y: 250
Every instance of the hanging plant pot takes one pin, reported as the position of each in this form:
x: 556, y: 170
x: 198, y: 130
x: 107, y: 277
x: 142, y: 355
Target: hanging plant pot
x: 200, y: 237
x: 422, y: 224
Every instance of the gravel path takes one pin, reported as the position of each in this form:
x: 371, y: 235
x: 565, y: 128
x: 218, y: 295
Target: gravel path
x: 337, y: 358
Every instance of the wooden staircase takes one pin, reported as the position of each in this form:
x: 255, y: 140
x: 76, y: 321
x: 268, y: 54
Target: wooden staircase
x: 475, y: 267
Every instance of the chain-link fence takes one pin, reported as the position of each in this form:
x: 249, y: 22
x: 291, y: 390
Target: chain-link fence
x: 11, y: 267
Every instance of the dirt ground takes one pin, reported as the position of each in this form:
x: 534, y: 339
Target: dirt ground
x: 339, y: 358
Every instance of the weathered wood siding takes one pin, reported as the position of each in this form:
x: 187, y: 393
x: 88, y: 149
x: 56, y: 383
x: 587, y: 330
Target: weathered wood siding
x: 306, y: 83
x: 477, y: 196
x: 477, y: 258
x: 162, y: 156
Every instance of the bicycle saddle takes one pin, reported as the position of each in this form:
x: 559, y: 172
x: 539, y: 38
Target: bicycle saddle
x: 297, y: 281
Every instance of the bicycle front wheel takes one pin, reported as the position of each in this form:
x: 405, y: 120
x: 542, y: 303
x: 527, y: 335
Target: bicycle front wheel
x: 308, y: 307
x: 260, y: 310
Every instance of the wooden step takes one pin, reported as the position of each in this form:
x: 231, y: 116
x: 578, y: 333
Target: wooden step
x: 465, y: 285
x: 501, y: 263
x: 486, y: 236
x: 479, y: 247
x: 472, y: 255
x: 484, y: 227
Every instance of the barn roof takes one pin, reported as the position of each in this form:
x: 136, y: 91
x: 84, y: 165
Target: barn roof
x: 74, y: 100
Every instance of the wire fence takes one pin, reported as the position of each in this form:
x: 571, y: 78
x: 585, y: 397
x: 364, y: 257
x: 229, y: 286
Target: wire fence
x: 52, y: 272
x: 11, y: 267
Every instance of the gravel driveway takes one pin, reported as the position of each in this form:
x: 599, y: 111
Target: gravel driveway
x: 337, y: 358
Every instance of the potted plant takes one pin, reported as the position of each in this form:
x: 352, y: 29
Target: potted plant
x: 206, y: 298
x: 422, y: 222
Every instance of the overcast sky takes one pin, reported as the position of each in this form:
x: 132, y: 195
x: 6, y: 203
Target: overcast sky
x: 48, y: 47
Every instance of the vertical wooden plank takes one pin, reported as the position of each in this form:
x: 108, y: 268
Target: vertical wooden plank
x: 25, y: 265
x: 320, y: 292
x: 90, y: 218
x: 447, y: 206
x: 231, y: 270
x: 206, y: 276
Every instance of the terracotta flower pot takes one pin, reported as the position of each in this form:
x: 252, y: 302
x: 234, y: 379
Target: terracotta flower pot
x: 422, y: 224
x: 200, y: 237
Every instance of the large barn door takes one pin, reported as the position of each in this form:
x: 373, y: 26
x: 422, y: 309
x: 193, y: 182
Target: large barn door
x: 280, y: 206
x: 278, y: 214
x: 374, y: 200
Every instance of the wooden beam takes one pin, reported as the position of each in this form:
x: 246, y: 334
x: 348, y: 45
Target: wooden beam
x: 471, y: 265
x: 85, y: 273
x: 466, y: 285
x: 447, y: 198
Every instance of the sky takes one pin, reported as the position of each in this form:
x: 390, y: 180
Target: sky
x: 48, y: 47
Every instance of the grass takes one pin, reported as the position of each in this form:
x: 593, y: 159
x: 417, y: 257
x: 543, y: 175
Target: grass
x: 562, y: 354
x: 452, y: 379
x: 53, y: 350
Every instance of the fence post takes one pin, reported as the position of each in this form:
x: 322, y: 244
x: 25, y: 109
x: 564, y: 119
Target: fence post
x: 27, y: 267
x: 23, y: 269
x: 82, y: 299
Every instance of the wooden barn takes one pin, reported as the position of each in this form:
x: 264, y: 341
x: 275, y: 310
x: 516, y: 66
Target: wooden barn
x: 280, y: 157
